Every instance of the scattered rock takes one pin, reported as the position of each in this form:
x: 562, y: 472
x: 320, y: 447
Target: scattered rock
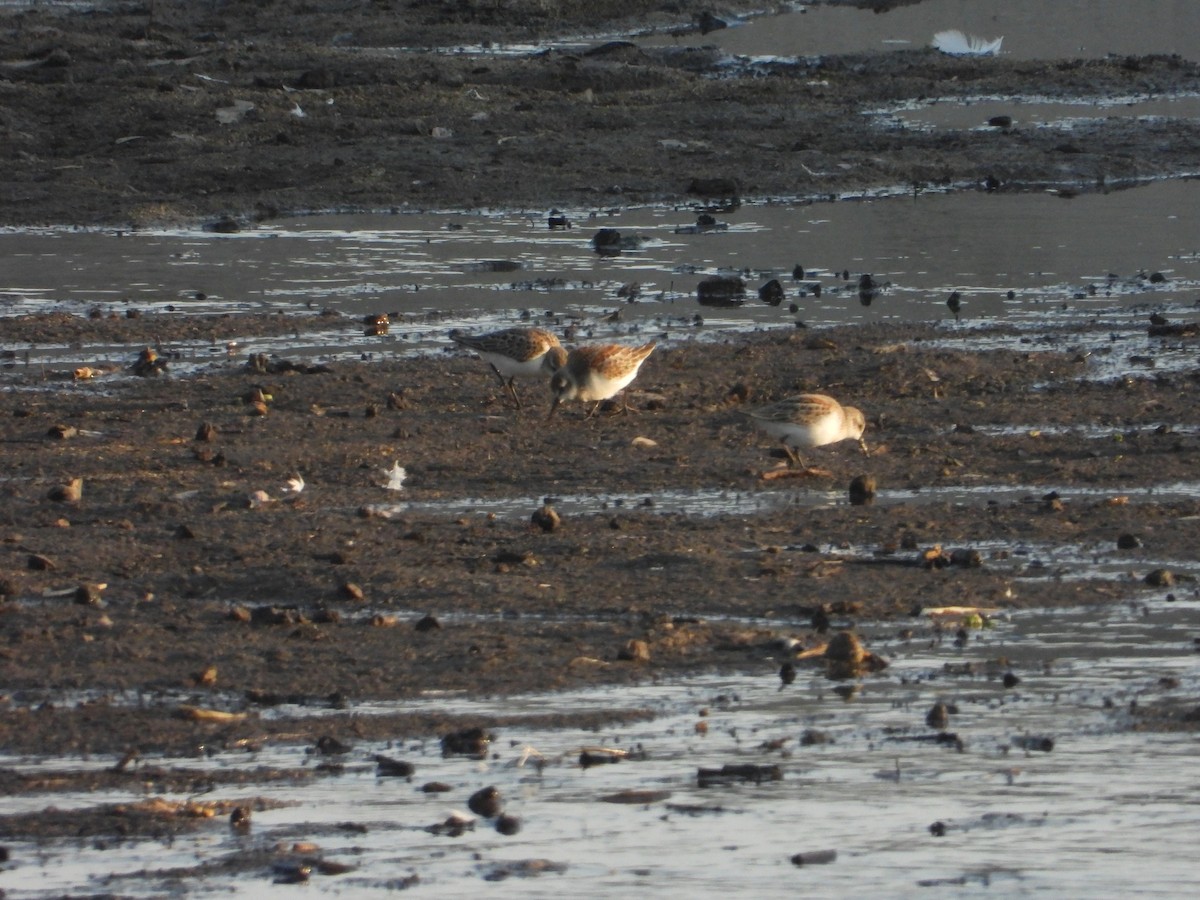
x: 814, y: 858
x: 771, y: 293
x: 636, y: 797
x: 1039, y: 743
x: 734, y: 773
x: 386, y: 767
x: 148, y: 364
x: 486, y: 803
x: 599, y: 756
x: 635, y: 651
x: 327, y: 745
x: 721, y: 291
x: 508, y: 825
x: 427, y: 623
x: 546, y: 518
x: 351, y: 591
x: 472, y: 742
x: 862, y: 490
x: 71, y: 492
x: 966, y: 558
x: 1160, y: 578
x: 787, y: 674
x: 938, y: 716
x: 845, y: 657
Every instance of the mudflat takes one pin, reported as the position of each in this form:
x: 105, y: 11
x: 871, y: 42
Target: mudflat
x: 151, y: 542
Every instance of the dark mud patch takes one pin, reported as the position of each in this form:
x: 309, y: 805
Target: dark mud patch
x: 183, y: 111
x: 173, y: 573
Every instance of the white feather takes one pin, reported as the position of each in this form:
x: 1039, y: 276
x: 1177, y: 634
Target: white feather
x: 395, y: 476
x: 956, y: 43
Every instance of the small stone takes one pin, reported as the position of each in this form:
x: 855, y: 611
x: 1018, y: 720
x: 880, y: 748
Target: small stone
x: 386, y: 767
x: 1160, y: 578
x: 427, y: 623
x: 1010, y: 680
x: 966, y: 559
x: 787, y: 673
x: 328, y: 745
x: 1128, y: 542
x: 62, y: 432
x: 88, y: 595
x: 71, y: 492
x: 635, y: 651
x: 815, y: 858
x: 39, y: 563
x: 508, y: 825
x: 239, y: 819
x: 938, y: 716
x: 546, y: 518
x: 467, y: 742
x: 486, y: 803
x: 351, y: 591
x: 206, y: 432
x: 862, y: 490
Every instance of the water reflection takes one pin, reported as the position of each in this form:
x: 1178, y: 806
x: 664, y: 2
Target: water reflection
x: 1034, y: 260
x: 1050, y: 790
x: 1032, y: 29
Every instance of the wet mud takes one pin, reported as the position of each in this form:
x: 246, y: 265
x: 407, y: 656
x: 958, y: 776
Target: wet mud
x: 150, y: 547
x: 241, y: 112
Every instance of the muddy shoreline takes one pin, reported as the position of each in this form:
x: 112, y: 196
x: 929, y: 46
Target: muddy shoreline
x: 171, y: 577
x: 230, y: 112
x: 185, y: 518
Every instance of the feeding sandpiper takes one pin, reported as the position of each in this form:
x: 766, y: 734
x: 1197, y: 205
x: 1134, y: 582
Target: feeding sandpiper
x: 595, y: 372
x: 515, y: 351
x: 810, y: 420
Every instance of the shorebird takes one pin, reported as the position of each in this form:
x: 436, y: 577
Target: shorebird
x: 809, y: 420
x: 595, y: 372
x: 515, y: 351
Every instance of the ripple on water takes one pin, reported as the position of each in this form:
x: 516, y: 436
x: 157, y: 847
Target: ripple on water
x: 1016, y: 818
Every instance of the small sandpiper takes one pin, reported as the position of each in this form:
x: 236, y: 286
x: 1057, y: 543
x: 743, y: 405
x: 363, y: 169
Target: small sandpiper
x: 810, y: 420
x: 527, y: 352
x: 595, y: 372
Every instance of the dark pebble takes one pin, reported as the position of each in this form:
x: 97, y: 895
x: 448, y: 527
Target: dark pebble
x: 486, y: 802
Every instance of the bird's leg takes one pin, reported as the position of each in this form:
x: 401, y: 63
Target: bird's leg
x: 793, y: 457
x: 862, y: 445
x: 512, y: 390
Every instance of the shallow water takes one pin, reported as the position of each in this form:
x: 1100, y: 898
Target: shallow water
x: 1032, y: 29
x: 1072, y: 820
x: 1068, y: 263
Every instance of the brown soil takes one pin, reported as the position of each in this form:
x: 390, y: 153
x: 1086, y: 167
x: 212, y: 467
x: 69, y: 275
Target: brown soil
x: 210, y: 598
